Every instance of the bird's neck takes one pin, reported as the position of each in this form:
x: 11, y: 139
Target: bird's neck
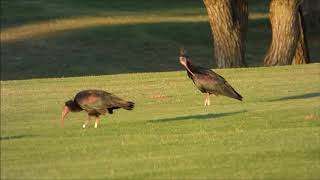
x: 192, y: 67
x: 74, y: 107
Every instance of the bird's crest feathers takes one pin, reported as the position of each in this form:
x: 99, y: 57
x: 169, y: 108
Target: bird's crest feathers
x: 183, y: 51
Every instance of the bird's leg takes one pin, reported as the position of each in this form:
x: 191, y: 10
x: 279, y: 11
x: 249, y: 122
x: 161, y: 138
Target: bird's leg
x: 86, y: 122
x: 97, y: 122
x: 206, y: 99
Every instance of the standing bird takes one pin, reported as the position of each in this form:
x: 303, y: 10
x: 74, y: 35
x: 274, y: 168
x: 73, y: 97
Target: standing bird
x: 207, y: 81
x: 95, y: 103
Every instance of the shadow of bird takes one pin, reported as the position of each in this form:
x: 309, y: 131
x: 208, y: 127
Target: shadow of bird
x: 196, y: 117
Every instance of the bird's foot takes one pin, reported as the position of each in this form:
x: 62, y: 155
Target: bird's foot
x: 95, y: 125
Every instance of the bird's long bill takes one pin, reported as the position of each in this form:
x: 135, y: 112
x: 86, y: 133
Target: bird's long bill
x: 188, y: 69
x: 64, y: 113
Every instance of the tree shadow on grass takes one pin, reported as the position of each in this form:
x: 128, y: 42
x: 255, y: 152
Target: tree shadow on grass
x: 15, y: 137
x: 302, y: 96
x: 196, y: 117
x: 106, y: 49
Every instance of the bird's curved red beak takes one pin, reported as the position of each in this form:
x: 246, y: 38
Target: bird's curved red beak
x: 65, y: 111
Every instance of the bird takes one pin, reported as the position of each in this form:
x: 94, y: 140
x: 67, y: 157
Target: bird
x: 95, y: 103
x: 207, y: 81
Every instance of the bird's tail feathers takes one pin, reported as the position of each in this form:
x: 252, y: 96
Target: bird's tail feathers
x: 237, y: 95
x: 233, y: 93
x: 128, y: 105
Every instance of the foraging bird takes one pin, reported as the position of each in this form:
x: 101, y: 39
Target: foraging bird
x: 95, y: 103
x: 207, y: 81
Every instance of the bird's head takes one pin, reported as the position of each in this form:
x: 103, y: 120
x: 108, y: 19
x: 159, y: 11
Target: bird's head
x: 70, y: 106
x: 183, y: 58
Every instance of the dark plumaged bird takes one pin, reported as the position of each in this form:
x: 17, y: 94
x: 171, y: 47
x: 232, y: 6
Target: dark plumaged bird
x: 207, y: 81
x: 95, y: 103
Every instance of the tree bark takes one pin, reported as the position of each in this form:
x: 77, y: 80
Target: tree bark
x: 288, y: 39
x: 302, y: 55
x: 228, y: 20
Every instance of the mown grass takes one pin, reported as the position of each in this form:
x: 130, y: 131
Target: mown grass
x: 79, y: 37
x: 273, y: 134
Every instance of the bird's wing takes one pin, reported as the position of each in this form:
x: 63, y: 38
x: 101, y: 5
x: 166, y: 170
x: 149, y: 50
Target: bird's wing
x: 100, y: 101
x: 207, y: 76
x: 216, y: 84
x: 213, y: 75
x: 91, y: 102
x: 112, y: 101
x: 211, y: 81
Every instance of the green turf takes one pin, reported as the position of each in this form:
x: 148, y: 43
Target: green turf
x: 64, y: 38
x: 273, y: 134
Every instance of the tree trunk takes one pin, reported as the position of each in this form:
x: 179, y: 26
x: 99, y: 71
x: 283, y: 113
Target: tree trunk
x: 288, y: 40
x: 302, y: 55
x: 228, y: 20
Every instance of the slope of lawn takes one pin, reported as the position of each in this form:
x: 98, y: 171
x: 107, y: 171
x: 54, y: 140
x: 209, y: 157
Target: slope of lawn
x: 273, y: 134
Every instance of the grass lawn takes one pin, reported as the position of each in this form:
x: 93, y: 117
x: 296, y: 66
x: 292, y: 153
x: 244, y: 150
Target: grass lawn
x: 50, y: 50
x: 273, y: 134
